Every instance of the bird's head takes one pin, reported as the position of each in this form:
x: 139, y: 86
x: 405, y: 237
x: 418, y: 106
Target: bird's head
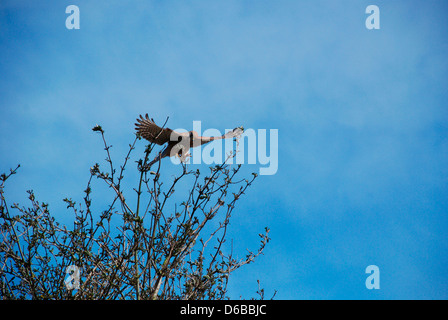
x: 235, y: 133
x: 238, y: 131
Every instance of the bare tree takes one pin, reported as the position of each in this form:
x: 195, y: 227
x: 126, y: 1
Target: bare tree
x: 154, y: 248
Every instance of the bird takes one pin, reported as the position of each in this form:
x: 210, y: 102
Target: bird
x: 178, y: 142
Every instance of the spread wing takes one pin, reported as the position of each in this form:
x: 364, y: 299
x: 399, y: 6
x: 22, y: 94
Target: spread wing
x: 231, y: 134
x: 152, y: 132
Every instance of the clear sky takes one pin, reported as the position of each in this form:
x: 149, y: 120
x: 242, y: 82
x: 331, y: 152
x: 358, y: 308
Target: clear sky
x: 361, y: 117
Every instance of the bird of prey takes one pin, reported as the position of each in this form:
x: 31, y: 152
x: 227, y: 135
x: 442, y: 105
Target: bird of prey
x: 178, y: 142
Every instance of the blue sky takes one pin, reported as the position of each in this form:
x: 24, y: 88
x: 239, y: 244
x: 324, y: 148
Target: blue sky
x: 361, y: 115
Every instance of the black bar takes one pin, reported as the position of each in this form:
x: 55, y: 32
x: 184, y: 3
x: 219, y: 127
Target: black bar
x: 223, y: 309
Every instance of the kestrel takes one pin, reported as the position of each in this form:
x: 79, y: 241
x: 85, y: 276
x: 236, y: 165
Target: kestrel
x: 178, y: 142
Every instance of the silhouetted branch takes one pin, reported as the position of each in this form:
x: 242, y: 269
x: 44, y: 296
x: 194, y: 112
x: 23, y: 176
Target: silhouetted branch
x: 156, y: 248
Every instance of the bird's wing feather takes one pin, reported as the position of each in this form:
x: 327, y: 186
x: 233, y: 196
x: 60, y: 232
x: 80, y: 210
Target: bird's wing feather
x: 152, y: 132
x: 231, y: 134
